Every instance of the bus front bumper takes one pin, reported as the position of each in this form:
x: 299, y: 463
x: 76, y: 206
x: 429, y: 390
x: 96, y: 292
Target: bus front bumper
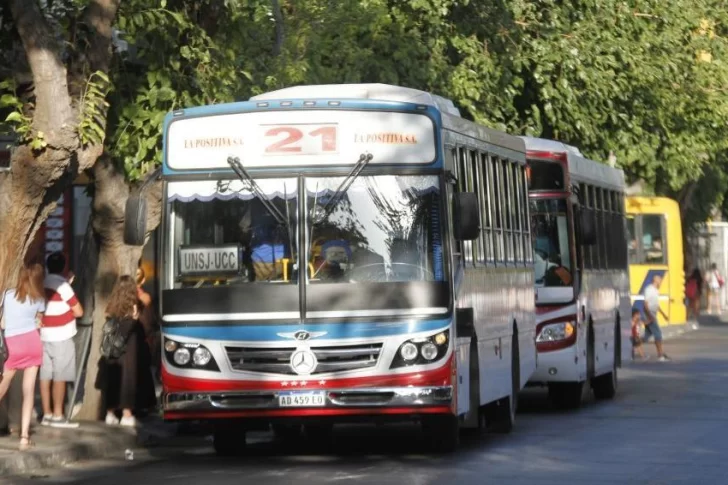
x: 309, y: 399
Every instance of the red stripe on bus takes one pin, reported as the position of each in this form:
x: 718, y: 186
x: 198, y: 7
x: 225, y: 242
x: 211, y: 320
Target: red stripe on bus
x: 437, y: 377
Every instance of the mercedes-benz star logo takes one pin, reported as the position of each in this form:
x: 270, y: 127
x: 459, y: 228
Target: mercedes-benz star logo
x: 303, y: 362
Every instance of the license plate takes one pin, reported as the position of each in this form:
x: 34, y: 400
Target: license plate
x: 301, y: 399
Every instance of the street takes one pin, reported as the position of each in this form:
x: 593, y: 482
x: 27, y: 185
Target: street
x: 668, y: 424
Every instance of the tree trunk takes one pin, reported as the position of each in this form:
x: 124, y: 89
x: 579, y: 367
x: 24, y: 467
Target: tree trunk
x: 30, y: 193
x: 38, y: 178
x: 115, y: 259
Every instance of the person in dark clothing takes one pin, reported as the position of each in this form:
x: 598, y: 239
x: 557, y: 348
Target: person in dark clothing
x: 694, y: 291
x: 126, y: 382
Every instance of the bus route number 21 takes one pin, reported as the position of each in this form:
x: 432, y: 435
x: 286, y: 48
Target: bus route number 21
x: 300, y: 139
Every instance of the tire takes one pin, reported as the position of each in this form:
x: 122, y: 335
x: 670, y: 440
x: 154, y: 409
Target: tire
x: 566, y: 395
x: 605, y: 386
x: 481, y: 425
x: 590, y: 364
x: 228, y: 440
x: 442, y: 432
x: 502, y: 413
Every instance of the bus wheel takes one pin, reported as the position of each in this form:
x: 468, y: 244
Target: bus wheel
x: 442, y: 432
x: 502, y: 413
x: 228, y: 439
x: 566, y: 395
x: 605, y: 386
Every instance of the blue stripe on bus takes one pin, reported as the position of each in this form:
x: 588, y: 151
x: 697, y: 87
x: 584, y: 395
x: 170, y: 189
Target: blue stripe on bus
x: 262, y: 333
x: 640, y: 304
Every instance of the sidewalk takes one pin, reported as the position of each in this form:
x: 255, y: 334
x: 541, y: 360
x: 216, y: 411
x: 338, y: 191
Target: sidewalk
x: 92, y: 440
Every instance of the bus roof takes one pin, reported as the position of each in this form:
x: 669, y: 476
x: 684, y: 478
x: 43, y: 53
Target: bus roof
x: 381, y: 92
x: 581, y: 169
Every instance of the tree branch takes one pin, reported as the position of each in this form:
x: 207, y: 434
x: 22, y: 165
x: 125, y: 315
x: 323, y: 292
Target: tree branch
x: 100, y: 16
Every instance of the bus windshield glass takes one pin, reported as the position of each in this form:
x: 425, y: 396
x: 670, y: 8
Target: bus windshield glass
x: 551, y: 248
x: 223, y: 232
x: 383, y: 228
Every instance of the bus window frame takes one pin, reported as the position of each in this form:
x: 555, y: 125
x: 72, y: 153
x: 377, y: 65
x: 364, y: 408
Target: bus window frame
x: 639, y: 235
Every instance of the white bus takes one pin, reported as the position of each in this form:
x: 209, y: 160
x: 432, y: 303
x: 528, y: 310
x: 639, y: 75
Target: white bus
x: 410, y: 224
x: 582, y: 278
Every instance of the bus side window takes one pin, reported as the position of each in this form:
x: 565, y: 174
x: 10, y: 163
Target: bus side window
x: 466, y: 185
x: 633, y: 245
x: 495, y: 180
x: 653, y: 239
x: 508, y: 209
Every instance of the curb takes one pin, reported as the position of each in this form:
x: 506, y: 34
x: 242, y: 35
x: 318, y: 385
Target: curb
x: 98, y: 443
x: 20, y: 463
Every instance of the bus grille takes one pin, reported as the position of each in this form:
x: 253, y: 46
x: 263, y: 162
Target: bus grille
x: 340, y: 358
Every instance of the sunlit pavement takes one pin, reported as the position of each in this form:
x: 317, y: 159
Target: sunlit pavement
x: 668, y: 424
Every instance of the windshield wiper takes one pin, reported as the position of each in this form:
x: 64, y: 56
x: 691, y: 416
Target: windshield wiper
x: 281, y: 219
x: 320, y: 215
x: 244, y: 176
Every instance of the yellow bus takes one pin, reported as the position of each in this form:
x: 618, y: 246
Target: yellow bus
x: 656, y: 248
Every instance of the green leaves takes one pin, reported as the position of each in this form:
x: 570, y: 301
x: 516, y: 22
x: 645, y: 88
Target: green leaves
x: 646, y: 80
x: 91, y: 128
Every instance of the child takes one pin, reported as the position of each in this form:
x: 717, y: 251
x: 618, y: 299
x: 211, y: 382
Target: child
x: 636, y: 340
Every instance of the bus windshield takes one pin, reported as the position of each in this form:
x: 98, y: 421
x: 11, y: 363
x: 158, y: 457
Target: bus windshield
x: 551, y: 248
x: 384, y: 228
x: 225, y: 233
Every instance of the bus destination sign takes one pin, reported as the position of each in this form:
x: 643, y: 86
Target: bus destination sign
x: 300, y: 138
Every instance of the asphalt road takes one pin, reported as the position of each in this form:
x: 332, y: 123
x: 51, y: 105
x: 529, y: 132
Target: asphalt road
x: 668, y: 425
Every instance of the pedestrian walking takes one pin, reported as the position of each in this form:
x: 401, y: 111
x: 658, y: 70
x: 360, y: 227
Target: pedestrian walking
x: 636, y: 340
x: 23, y: 308
x: 59, y: 351
x: 694, y: 292
x: 715, y: 283
x: 126, y: 381
x: 652, y: 308
x: 148, y: 319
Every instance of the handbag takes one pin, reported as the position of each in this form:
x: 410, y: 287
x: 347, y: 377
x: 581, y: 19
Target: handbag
x: 113, y: 339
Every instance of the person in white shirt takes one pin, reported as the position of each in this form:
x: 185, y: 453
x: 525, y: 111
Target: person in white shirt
x: 59, y: 351
x: 652, y: 308
x: 714, y: 280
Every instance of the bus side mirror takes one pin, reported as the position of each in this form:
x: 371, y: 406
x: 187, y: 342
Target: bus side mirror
x: 588, y: 227
x: 135, y: 221
x: 466, y: 216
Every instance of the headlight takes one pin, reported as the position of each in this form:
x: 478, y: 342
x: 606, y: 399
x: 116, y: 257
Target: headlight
x: 189, y: 355
x: 553, y: 332
x: 201, y: 357
x: 408, y: 351
x: 181, y: 356
x: 422, y: 350
x: 429, y: 351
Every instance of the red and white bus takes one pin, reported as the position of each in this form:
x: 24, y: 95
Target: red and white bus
x: 581, y: 271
